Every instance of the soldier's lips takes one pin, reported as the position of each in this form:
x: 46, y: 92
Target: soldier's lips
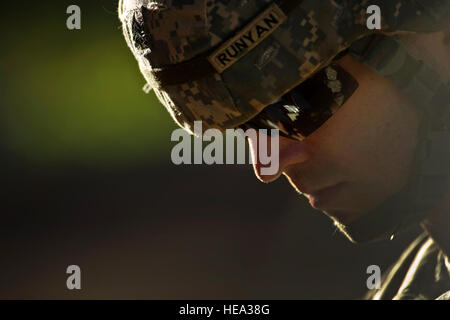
x: 323, y: 198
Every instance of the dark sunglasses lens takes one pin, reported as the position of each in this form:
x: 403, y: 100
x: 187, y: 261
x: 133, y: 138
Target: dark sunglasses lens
x: 306, y: 107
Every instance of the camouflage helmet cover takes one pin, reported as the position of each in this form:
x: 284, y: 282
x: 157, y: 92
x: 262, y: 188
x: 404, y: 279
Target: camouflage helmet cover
x: 259, y: 51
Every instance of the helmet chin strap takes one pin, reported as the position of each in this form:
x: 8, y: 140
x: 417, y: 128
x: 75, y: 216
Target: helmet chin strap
x: 431, y: 170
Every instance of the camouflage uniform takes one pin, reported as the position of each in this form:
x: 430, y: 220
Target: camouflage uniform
x: 223, y: 61
x: 163, y: 33
x: 422, y: 273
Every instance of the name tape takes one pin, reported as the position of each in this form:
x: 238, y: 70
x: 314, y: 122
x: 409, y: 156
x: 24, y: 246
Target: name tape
x: 247, y: 39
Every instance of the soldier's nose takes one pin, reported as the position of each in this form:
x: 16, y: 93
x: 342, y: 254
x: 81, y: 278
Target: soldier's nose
x: 288, y: 152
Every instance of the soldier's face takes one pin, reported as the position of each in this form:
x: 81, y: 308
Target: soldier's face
x: 363, y: 154
x: 359, y: 157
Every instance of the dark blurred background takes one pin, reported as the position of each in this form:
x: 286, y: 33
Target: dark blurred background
x: 86, y: 179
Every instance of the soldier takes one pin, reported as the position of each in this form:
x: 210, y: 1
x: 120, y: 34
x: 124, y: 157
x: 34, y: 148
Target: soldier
x: 363, y: 114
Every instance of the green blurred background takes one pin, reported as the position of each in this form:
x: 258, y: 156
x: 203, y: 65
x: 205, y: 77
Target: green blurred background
x: 87, y: 180
x: 74, y: 96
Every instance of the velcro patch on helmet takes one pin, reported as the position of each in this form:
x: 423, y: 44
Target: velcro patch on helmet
x: 248, y: 38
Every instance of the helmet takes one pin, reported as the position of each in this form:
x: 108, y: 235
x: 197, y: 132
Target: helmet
x: 224, y: 61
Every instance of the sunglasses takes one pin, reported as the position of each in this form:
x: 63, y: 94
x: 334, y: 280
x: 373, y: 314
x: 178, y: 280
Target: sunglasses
x: 305, y: 108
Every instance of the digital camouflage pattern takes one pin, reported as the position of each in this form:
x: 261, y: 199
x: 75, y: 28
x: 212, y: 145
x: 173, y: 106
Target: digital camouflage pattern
x: 167, y: 32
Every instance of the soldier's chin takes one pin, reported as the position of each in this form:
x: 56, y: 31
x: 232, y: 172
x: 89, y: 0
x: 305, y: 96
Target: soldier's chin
x: 342, y: 228
x: 353, y: 227
x: 368, y: 228
x: 342, y: 217
x: 339, y: 220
